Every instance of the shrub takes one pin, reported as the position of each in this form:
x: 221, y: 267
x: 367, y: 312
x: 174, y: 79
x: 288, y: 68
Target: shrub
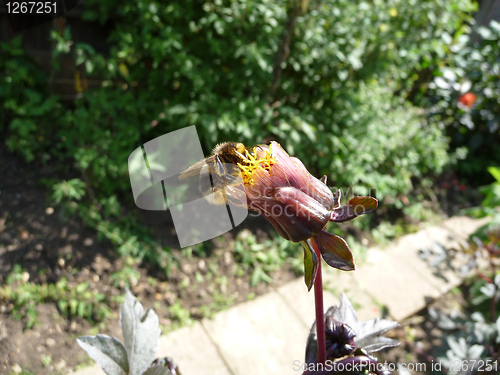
x: 466, y: 99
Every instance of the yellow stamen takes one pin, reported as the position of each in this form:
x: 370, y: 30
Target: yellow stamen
x: 252, y: 163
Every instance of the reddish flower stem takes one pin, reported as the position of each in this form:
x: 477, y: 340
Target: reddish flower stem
x: 318, y: 302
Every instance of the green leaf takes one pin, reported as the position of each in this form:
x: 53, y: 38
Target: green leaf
x: 80, y: 288
x: 495, y: 172
x: 81, y: 309
x: 254, y: 280
x: 311, y: 265
x: 63, y: 307
x: 73, y: 304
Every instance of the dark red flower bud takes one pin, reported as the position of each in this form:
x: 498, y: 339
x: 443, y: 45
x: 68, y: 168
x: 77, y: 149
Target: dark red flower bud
x: 299, y: 205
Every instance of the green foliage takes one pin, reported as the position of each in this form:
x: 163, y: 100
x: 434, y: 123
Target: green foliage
x: 180, y: 316
x: 65, y: 191
x: 74, y: 300
x: 219, y: 302
x: 471, y: 69
x: 23, y: 372
x: 379, y: 142
x: 215, y: 65
x: 475, y: 333
x: 263, y: 258
x: 46, y: 360
x: 27, y: 108
x: 492, y: 191
x: 490, y: 205
x: 126, y: 276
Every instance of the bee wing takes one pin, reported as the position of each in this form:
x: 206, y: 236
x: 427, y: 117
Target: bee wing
x: 192, y: 170
x: 195, y: 169
x: 236, y: 194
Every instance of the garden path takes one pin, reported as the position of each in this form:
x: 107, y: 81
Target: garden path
x: 268, y: 334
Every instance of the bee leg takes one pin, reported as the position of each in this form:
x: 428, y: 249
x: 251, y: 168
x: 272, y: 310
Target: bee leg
x: 253, y: 149
x: 240, y: 155
x: 220, y: 167
x: 229, y: 178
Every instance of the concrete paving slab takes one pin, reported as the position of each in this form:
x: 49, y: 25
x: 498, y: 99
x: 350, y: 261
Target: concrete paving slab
x: 263, y: 336
x: 302, y: 302
x: 193, y: 351
x: 335, y: 282
x: 393, y: 283
x: 406, y: 250
x: 464, y: 226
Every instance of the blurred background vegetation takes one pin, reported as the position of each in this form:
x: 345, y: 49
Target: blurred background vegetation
x: 398, y: 95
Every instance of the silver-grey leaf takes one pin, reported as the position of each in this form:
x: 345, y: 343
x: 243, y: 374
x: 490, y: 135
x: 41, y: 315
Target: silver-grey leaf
x: 459, y: 348
x: 346, y: 314
x: 371, y: 344
x: 141, y: 333
x: 475, y: 351
x: 498, y: 329
x: 374, y: 327
x: 110, y: 346
x: 109, y: 366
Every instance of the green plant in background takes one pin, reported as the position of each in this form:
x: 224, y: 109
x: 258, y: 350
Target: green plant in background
x: 216, y: 66
x: 381, y: 143
x: 180, y: 317
x: 28, y: 110
x: 262, y: 258
x: 492, y: 192
x: 126, y: 276
x: 23, y: 372
x: 465, y: 97
x: 473, y: 337
x: 222, y: 66
x: 71, y: 299
x: 490, y: 205
x: 219, y: 302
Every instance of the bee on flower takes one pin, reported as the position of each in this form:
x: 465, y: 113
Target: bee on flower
x: 297, y: 204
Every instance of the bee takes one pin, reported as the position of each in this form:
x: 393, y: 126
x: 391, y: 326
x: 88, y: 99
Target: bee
x: 219, y: 173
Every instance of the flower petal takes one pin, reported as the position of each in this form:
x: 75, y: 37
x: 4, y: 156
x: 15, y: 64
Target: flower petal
x: 334, y: 251
x: 336, y: 199
x: 311, y: 264
x: 307, y: 209
x: 314, y: 187
x: 293, y: 171
x: 356, y: 206
x: 284, y: 221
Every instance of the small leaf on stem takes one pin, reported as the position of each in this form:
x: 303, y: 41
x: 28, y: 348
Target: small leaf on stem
x: 311, y: 263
